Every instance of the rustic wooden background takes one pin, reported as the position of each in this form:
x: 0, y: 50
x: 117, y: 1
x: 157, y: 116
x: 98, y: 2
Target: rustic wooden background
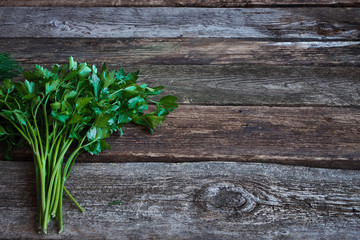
x: 265, y: 144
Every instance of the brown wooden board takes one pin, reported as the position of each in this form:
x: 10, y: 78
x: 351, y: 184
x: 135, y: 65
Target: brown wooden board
x: 309, y: 136
x: 182, y: 51
x: 189, y: 201
x: 178, y: 3
x: 257, y: 23
x: 254, y: 84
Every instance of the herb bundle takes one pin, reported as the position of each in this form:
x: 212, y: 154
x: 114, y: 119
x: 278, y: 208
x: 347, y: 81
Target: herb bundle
x: 67, y: 110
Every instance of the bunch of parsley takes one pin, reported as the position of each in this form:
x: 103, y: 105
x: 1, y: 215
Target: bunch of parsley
x: 67, y: 110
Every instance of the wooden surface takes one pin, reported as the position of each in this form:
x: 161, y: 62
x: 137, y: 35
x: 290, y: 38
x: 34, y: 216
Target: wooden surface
x: 189, y: 201
x: 247, y: 84
x: 183, y: 51
x: 310, y: 136
x: 179, y: 3
x: 269, y: 23
x: 277, y: 82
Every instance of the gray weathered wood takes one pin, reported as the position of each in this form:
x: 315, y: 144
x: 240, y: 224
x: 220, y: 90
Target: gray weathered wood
x: 246, y: 84
x: 254, y: 84
x: 189, y: 201
x: 310, y: 136
x: 268, y: 23
x: 188, y: 51
x: 177, y: 3
x: 257, y: 84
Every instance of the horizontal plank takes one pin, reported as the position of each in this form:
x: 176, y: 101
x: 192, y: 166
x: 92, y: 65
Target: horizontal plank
x: 309, y: 136
x: 254, y: 84
x: 178, y: 3
x: 255, y: 23
x: 189, y: 201
x: 182, y: 51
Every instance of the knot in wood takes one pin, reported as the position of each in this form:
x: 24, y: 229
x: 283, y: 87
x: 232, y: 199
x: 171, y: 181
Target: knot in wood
x: 226, y: 198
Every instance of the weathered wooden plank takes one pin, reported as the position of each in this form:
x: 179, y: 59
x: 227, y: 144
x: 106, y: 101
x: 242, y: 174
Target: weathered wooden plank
x: 178, y: 3
x: 246, y: 84
x: 310, y: 136
x: 268, y: 23
x: 189, y: 201
x: 240, y: 83
x: 257, y: 84
x: 182, y: 51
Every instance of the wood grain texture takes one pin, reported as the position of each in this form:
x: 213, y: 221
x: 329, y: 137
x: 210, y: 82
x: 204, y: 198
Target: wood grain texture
x: 182, y: 51
x: 307, y: 136
x: 178, y: 3
x: 255, y: 84
x: 257, y: 23
x: 189, y: 201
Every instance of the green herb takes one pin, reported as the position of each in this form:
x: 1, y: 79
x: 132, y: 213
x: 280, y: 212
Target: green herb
x: 9, y: 68
x: 70, y: 109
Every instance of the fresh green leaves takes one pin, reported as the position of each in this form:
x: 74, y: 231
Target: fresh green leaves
x: 71, y: 105
x: 86, y: 102
x: 169, y: 102
x: 9, y: 137
x: 166, y: 105
x: 9, y: 68
x: 2, y: 131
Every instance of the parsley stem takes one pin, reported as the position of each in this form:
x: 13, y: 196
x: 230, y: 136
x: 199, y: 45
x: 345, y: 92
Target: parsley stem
x: 73, y: 199
x: 150, y: 100
x: 59, y: 209
x: 57, y: 196
x: 50, y: 190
